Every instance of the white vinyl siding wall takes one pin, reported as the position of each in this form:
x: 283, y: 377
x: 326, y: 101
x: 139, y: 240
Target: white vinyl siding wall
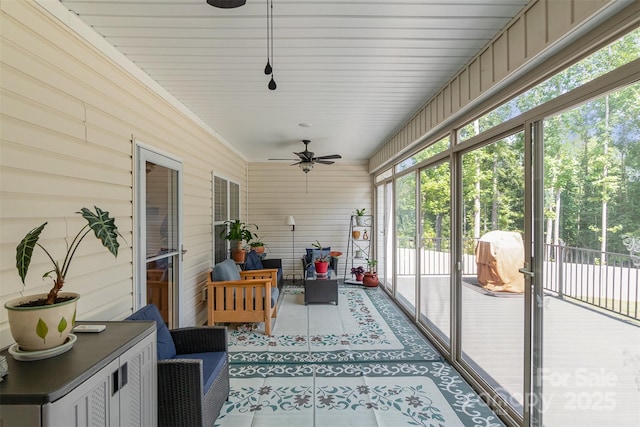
x: 321, y: 202
x: 68, y: 115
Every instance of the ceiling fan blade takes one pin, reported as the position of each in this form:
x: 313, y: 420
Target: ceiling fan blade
x: 305, y: 156
x: 331, y: 156
x: 296, y: 163
x: 324, y: 162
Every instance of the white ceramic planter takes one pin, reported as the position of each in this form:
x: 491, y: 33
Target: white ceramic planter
x: 44, y: 327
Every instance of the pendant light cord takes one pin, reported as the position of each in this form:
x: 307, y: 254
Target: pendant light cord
x: 267, y: 69
x: 272, y: 83
x: 271, y: 38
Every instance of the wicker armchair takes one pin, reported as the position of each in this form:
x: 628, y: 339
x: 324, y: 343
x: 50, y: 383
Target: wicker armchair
x: 181, y: 401
x: 193, y: 371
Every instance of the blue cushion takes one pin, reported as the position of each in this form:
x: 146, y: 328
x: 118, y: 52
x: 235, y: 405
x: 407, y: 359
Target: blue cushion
x: 225, y: 271
x: 275, y: 293
x: 316, y: 254
x: 166, y: 347
x: 253, y: 261
x: 309, y: 257
x: 212, y: 363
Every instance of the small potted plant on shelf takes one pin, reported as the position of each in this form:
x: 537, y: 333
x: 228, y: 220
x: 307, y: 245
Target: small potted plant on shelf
x: 358, y: 272
x: 44, y: 321
x: 360, y: 219
x: 238, y: 232
x: 370, y: 277
x: 321, y: 262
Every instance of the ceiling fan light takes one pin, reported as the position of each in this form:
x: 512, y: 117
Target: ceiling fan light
x: 306, y: 166
x: 226, y: 4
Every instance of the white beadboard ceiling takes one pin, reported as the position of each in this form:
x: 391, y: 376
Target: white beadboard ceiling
x: 355, y: 70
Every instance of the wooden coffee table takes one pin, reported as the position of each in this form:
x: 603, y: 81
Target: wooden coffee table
x: 321, y: 289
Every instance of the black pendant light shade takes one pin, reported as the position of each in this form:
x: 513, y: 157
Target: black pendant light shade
x: 267, y: 69
x: 226, y: 4
x: 272, y: 84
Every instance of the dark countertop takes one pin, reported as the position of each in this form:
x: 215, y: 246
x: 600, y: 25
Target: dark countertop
x: 42, y: 381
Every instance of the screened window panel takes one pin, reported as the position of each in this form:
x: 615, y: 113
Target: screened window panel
x: 220, y: 194
x: 234, y: 201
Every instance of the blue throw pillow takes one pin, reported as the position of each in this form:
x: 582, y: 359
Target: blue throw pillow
x: 253, y: 261
x: 225, y: 271
x: 317, y: 253
x: 309, y: 258
x: 166, y: 346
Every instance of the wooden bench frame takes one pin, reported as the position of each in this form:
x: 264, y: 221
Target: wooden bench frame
x: 254, y: 304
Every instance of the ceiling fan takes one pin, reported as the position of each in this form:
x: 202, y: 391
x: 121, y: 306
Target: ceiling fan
x: 307, y: 159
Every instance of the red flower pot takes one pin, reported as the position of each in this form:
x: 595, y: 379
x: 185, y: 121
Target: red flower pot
x: 322, y: 267
x: 359, y: 276
x: 370, y: 280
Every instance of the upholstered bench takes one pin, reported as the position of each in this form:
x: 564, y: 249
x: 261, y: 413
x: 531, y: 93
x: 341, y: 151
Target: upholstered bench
x: 193, y: 371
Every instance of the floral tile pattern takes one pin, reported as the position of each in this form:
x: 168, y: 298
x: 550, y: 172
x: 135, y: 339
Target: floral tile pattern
x: 310, y: 373
x: 364, y: 320
x: 423, y: 394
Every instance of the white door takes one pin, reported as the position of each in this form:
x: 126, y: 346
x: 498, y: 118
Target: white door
x: 159, y: 250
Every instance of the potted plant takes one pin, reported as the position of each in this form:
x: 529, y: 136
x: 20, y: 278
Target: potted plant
x: 358, y: 272
x: 44, y: 321
x: 238, y: 232
x: 370, y: 277
x: 257, y: 245
x: 360, y: 219
x: 321, y: 262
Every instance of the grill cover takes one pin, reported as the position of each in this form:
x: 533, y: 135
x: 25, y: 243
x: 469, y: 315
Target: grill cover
x: 499, y: 256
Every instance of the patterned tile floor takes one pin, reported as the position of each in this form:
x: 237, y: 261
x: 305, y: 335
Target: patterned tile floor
x: 358, y: 363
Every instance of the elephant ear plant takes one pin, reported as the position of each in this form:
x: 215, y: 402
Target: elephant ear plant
x: 99, y: 222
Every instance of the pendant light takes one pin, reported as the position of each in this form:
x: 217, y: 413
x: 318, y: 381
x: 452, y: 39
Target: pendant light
x: 226, y: 4
x: 268, y: 69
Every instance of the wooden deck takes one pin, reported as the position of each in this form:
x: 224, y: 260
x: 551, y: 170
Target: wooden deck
x: 591, y: 360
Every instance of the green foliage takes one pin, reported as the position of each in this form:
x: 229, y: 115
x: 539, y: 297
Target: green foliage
x: 324, y: 256
x: 371, y: 263
x: 103, y: 227
x: 99, y: 222
x: 238, y: 231
x: 436, y: 206
x: 406, y: 210
x: 24, y: 250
